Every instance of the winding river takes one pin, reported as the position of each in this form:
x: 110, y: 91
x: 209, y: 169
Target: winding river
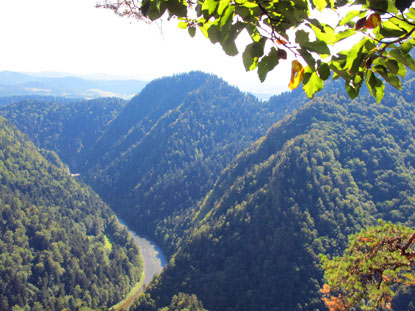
x: 154, y: 262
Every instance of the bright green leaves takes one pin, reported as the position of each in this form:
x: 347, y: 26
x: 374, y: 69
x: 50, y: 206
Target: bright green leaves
x: 375, y: 266
x: 277, y: 29
x: 312, y: 82
x: 320, y: 4
x: 210, y: 6
x: 375, y: 86
x: 350, y: 15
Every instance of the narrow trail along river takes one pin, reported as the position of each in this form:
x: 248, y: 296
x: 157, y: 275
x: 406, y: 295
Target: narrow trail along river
x: 154, y: 262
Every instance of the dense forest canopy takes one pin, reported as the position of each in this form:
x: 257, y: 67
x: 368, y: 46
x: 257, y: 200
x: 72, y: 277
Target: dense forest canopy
x: 60, y: 245
x: 325, y: 172
x: 155, y: 158
x: 244, y: 217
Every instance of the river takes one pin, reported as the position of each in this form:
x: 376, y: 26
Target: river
x: 154, y: 260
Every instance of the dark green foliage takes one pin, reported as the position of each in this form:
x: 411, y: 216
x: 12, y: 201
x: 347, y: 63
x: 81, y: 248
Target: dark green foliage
x: 319, y: 175
x: 140, y: 115
x: 165, y: 149
x: 60, y: 245
x: 176, y: 145
x: 68, y: 127
x: 184, y: 302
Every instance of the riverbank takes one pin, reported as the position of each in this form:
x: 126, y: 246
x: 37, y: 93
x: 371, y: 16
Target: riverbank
x: 132, y: 295
x: 154, y: 262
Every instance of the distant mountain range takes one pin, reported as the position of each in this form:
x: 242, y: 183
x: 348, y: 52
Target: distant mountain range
x: 14, y: 83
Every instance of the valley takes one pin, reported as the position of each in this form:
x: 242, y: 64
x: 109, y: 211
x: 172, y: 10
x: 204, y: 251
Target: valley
x: 154, y: 262
x: 241, y: 195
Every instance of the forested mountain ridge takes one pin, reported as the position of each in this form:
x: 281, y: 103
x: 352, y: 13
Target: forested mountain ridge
x: 60, y: 245
x: 68, y: 127
x: 318, y: 175
x: 245, y: 232
x: 176, y: 162
x: 171, y: 141
x: 140, y: 115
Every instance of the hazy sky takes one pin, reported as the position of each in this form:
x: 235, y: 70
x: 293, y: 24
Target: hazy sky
x: 73, y: 36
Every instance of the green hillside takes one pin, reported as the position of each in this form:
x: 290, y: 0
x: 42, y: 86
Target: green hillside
x: 153, y: 159
x: 244, y: 221
x: 165, y: 171
x: 60, y: 245
x: 317, y: 176
x: 67, y: 126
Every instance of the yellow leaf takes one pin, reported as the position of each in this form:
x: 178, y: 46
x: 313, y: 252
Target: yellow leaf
x: 297, y: 74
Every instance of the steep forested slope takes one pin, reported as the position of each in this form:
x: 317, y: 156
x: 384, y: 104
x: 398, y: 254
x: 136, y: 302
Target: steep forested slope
x: 68, y: 127
x: 171, y: 166
x: 140, y: 115
x: 160, y: 154
x: 316, y: 177
x: 60, y: 245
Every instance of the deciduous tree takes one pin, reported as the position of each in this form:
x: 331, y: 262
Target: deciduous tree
x: 383, y: 32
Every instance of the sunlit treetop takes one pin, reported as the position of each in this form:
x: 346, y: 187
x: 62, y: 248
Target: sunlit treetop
x: 381, y: 33
x: 378, y: 263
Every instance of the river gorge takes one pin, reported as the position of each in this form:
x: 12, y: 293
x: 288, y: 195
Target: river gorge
x: 154, y: 262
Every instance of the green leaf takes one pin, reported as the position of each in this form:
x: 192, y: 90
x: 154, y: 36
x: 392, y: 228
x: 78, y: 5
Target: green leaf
x: 252, y: 53
x: 355, y: 56
x: 375, y: 86
x: 145, y: 6
x: 182, y: 25
x: 223, y: 4
x: 344, y: 34
x: 230, y: 48
x: 228, y: 42
x: 390, y: 32
x: 192, y: 31
x: 156, y: 10
x: 307, y: 57
x: 319, y: 47
x: 324, y: 33
x: 267, y: 64
x: 209, y: 6
x: 378, y: 5
x: 313, y: 85
x: 301, y: 37
x: 320, y: 4
x: 214, y: 33
x: 324, y: 71
x: 349, y: 16
x: 391, y: 78
x: 406, y: 46
x: 225, y: 18
x: 351, y: 91
x: 392, y: 66
x: 403, y: 58
x: 177, y: 8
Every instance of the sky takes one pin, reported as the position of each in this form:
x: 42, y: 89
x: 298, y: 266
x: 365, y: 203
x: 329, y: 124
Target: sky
x: 73, y: 36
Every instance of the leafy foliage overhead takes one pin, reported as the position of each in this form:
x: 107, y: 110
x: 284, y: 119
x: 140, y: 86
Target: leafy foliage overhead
x: 383, y: 29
